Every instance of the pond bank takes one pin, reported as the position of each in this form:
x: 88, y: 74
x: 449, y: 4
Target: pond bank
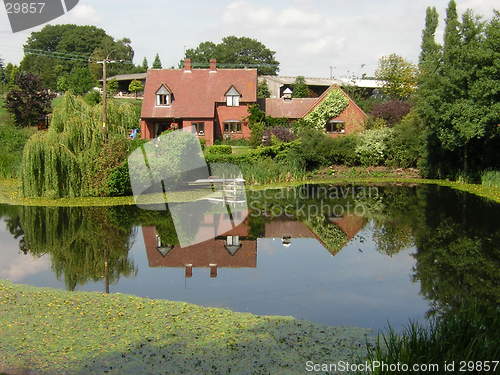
x: 9, y: 191
x: 53, y: 332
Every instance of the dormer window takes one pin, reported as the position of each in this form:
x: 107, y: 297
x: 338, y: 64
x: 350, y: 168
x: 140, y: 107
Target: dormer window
x: 233, y: 97
x: 163, y: 96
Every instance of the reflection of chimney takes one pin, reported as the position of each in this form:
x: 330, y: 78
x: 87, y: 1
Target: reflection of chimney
x: 213, y: 65
x: 189, y: 271
x: 213, y: 270
x: 187, y: 65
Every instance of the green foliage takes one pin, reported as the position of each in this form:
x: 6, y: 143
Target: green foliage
x: 457, y: 98
x: 375, y: 123
x: 398, y: 75
x: 372, y: 146
x: 406, y: 146
x: 256, y: 133
x: 135, y: 86
x: 490, y: 178
x: 266, y: 171
x: 145, y: 65
x: 12, y: 140
x: 157, y: 62
x: 28, y: 101
x: 93, y: 97
x: 342, y: 150
x: 263, y: 90
x: 112, y: 88
x: 299, y: 88
x: 219, y: 149
x: 332, y: 106
x: 118, y: 182
x: 237, y: 51
x: 64, y: 161
x: 332, y: 237
x: 80, y: 81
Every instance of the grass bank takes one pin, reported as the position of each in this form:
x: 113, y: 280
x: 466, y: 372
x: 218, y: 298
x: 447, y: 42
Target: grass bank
x: 9, y: 191
x: 53, y: 332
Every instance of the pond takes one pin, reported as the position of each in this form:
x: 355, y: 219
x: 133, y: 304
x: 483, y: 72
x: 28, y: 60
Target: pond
x: 359, y: 256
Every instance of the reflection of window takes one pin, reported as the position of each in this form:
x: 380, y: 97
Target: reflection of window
x: 198, y: 128
x: 232, y: 244
x: 232, y: 97
x: 163, y: 96
x: 286, y: 241
x: 162, y: 248
x: 232, y: 126
x: 335, y: 126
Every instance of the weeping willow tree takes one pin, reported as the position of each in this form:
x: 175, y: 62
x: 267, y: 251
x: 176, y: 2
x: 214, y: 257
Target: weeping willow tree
x: 62, y: 161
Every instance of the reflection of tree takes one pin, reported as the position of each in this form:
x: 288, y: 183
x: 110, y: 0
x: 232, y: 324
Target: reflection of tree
x: 83, y: 243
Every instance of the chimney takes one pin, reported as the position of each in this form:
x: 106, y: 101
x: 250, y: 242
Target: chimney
x: 187, y: 65
x: 189, y: 271
x: 213, y: 65
x: 213, y: 270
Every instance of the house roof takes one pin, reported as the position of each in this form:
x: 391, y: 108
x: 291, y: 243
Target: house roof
x: 296, y: 108
x: 127, y: 77
x: 289, y: 108
x: 195, y: 92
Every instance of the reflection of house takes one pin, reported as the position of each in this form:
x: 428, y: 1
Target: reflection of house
x: 349, y: 121
x: 233, y: 249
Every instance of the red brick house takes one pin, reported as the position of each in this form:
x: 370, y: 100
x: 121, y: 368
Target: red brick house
x: 351, y: 120
x: 214, y: 101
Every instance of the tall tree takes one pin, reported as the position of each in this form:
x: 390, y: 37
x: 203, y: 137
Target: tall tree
x: 157, y: 62
x: 145, y: 64
x: 399, y: 76
x: 29, y: 100
x: 429, y: 47
x: 2, y: 71
x: 76, y: 43
x: 238, y: 52
x: 299, y: 88
x: 263, y: 90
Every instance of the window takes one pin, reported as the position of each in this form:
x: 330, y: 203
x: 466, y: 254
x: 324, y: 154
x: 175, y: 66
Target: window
x: 198, y: 128
x: 232, y: 244
x: 233, y: 97
x: 163, y: 96
x: 232, y: 126
x: 335, y: 126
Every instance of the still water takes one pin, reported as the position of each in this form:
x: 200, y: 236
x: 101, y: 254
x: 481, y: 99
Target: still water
x: 350, y: 256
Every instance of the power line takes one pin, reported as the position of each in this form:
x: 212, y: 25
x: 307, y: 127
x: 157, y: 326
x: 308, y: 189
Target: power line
x: 66, y: 56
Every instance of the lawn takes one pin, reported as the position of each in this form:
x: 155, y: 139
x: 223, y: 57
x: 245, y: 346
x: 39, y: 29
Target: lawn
x: 5, y: 118
x: 53, y: 332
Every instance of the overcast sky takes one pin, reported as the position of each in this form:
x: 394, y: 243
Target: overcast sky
x: 308, y: 36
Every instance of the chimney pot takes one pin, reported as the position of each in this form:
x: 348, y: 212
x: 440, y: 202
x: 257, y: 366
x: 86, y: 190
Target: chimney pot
x: 187, y: 64
x: 213, y: 65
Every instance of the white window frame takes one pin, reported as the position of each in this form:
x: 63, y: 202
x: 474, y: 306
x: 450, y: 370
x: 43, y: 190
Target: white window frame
x: 335, y: 122
x: 231, y: 123
x: 158, y: 100
x: 233, y: 100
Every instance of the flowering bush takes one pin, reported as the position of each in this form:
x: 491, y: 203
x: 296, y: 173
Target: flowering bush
x: 372, y: 146
x: 278, y: 133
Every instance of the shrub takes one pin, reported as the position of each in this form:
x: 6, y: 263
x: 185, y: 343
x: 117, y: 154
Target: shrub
x: 343, y: 150
x: 314, y: 150
x: 392, y: 111
x: 93, y: 97
x: 372, y: 149
x: 256, y: 133
x: 118, y: 182
x: 279, y: 133
x: 490, y: 178
x: 375, y: 123
x: 219, y: 149
x: 12, y: 140
x: 267, y: 170
x: 406, y: 146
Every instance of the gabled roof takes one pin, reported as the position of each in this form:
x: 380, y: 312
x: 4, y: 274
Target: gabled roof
x: 297, y: 108
x: 232, y: 92
x: 196, y: 91
x: 163, y: 90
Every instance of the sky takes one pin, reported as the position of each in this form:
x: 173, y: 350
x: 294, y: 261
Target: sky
x: 309, y: 36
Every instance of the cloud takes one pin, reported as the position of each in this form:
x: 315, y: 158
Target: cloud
x: 19, y: 266
x: 82, y: 14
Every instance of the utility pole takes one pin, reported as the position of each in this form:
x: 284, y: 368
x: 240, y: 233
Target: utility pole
x: 105, y: 63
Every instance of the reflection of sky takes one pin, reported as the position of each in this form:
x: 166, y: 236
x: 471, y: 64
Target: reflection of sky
x: 362, y: 288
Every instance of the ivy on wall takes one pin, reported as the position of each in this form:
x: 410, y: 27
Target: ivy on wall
x: 332, y: 106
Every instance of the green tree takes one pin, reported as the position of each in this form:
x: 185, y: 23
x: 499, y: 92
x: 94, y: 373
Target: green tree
x: 157, y: 62
x: 145, y: 64
x: 135, y: 86
x: 2, y: 71
x: 399, y: 76
x: 263, y: 90
x: 300, y: 89
x: 80, y: 81
x: 236, y: 51
x: 29, y: 100
x: 429, y: 47
x: 77, y: 42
